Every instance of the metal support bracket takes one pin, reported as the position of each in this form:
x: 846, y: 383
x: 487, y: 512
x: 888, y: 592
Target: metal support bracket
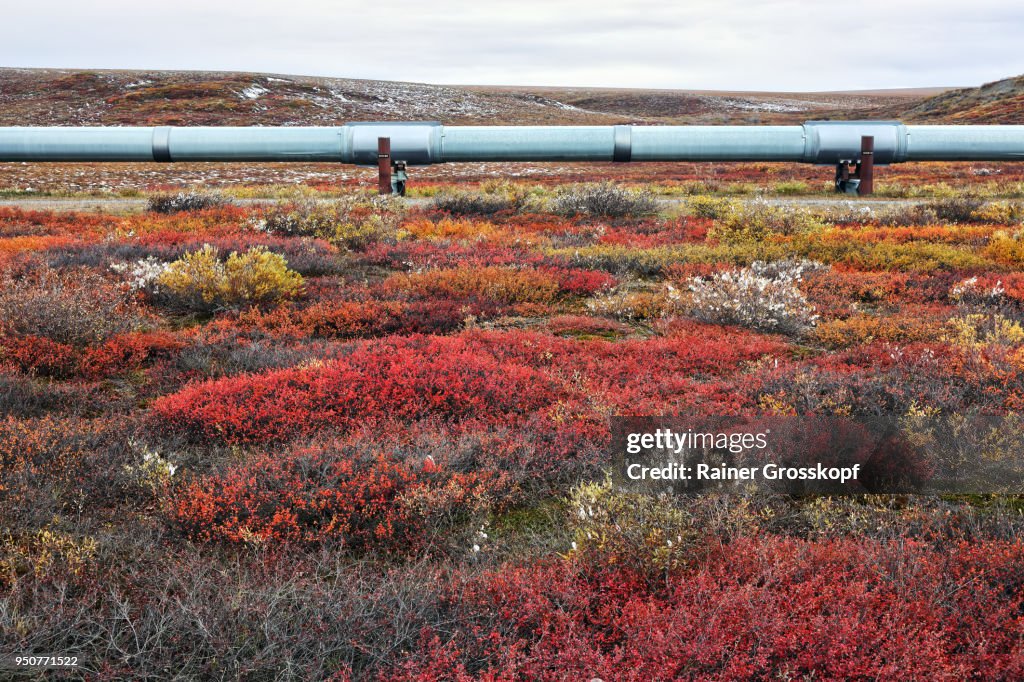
x: 861, y: 180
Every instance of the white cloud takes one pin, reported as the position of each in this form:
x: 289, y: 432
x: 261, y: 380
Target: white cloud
x: 711, y: 44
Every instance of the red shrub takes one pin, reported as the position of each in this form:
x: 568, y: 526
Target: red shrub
x: 406, y: 379
x: 760, y: 608
x: 584, y: 326
x: 40, y: 355
x: 582, y: 282
x: 362, y: 319
x: 423, y: 254
x: 304, y: 497
x: 650, y: 235
x: 117, y: 355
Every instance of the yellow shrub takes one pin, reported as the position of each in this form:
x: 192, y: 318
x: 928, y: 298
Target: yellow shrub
x: 459, y: 230
x: 716, y: 208
x: 649, y: 262
x: 356, y: 235
x: 350, y: 221
x: 616, y: 528
x: 40, y: 552
x: 980, y: 329
x: 760, y: 220
x: 201, y: 281
x: 1005, y: 248
x: 1001, y: 212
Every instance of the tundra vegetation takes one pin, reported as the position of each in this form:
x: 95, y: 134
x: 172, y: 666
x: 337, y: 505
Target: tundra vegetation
x: 342, y: 438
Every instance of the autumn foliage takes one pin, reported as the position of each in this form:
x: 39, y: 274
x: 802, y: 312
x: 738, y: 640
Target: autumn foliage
x: 361, y: 440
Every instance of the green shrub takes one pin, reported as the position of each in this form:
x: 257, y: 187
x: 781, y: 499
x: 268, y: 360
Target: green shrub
x: 791, y: 187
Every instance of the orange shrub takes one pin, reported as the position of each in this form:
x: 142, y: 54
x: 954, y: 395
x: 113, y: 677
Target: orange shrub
x: 862, y: 329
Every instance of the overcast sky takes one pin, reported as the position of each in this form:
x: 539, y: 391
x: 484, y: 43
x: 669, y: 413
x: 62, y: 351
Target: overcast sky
x: 706, y: 44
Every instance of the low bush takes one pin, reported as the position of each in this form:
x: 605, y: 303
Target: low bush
x: 362, y: 319
x: 501, y: 285
x: 790, y: 187
x: 203, y: 282
x: 861, y: 329
x: 304, y: 497
x: 640, y: 532
x: 958, y: 209
x: 383, y: 492
x: 629, y: 305
x: 760, y: 220
x: 116, y: 355
x: 503, y: 198
x: 764, y: 296
x: 756, y: 608
x: 307, y: 256
x: 1001, y: 212
x: 24, y: 396
x: 183, y: 202
x: 351, y: 221
x: 76, y: 308
x: 973, y: 291
x: 980, y: 329
x: 715, y: 208
x: 604, y: 200
x: 1006, y: 248
x: 405, y: 378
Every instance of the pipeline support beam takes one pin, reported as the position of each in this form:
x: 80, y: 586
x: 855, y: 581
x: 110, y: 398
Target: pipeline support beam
x: 866, y: 172
x: 384, y: 165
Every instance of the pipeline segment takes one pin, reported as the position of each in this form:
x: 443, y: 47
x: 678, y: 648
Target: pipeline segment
x: 418, y: 144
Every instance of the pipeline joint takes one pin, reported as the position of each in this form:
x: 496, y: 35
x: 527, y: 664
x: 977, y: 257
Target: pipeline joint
x: 162, y: 144
x: 622, y: 151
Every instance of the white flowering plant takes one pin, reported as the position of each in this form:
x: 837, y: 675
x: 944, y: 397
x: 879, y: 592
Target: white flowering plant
x: 765, y: 296
x: 142, y: 275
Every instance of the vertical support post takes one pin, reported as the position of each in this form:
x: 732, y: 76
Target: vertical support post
x: 384, y: 165
x: 867, y: 165
x: 842, y: 176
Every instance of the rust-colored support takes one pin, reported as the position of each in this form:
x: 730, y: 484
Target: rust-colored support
x: 384, y: 165
x: 867, y: 165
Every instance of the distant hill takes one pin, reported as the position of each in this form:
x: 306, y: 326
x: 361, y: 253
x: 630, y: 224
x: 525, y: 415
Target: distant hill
x: 75, y: 97
x: 998, y: 102
x: 66, y: 97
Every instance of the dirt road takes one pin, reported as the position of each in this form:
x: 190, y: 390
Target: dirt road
x: 121, y: 205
